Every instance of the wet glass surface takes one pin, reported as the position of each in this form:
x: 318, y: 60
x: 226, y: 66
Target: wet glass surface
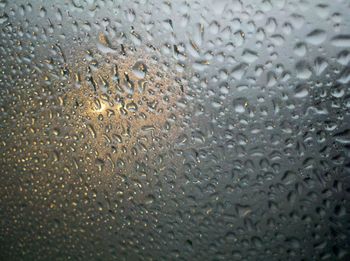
x: 174, y: 130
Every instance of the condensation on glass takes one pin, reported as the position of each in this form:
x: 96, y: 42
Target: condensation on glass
x: 174, y: 130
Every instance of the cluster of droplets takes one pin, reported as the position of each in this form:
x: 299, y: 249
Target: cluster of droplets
x: 189, y: 130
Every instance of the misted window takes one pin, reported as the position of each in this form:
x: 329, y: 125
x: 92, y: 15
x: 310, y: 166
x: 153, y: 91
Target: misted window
x: 174, y: 130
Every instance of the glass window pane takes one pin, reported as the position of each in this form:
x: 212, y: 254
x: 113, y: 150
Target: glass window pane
x: 174, y: 130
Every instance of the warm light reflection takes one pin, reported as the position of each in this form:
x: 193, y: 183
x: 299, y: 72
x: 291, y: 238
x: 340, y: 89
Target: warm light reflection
x: 125, y: 109
x: 109, y: 109
x: 101, y: 108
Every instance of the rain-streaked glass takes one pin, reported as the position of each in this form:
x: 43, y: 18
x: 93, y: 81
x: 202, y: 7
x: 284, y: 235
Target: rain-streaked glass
x: 174, y: 130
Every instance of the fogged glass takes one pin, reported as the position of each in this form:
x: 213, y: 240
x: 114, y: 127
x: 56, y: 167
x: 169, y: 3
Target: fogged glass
x: 174, y: 130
